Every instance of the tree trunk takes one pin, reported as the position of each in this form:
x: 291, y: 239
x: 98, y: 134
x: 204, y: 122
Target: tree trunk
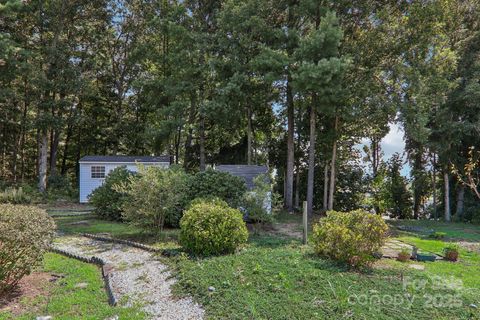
x: 188, y: 141
x: 54, y: 152
x: 460, y: 201
x: 435, y: 215
x: 448, y: 216
x: 202, y: 142
x: 42, y: 161
x: 290, y: 148
x: 297, y: 187
x: 249, y: 136
x: 325, y: 187
x: 311, y: 159
x: 332, y: 168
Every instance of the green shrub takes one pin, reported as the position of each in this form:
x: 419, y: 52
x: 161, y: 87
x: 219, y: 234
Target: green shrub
x: 258, y: 202
x: 211, y: 183
x: 349, y: 237
x: 438, y: 235
x: 108, y: 201
x: 156, y: 196
x: 211, y: 227
x: 59, y: 183
x: 15, y: 196
x: 25, y: 234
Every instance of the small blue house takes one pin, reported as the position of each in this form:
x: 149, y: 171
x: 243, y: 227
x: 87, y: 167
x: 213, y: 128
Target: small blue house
x: 94, y: 169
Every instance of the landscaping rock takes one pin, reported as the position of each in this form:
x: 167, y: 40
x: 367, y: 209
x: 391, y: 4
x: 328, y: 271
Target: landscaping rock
x: 81, y: 285
x: 473, y: 306
x: 44, y: 318
x: 211, y: 289
x: 417, y: 266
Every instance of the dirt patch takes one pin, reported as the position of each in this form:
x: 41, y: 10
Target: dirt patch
x: 32, y: 286
x: 470, y: 246
x: 288, y: 229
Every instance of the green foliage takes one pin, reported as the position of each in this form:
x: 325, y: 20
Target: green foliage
x: 25, y: 234
x: 438, y: 235
x: 349, y: 237
x: 14, y: 196
x: 156, y: 196
x: 404, y: 255
x: 217, y: 184
x: 59, y: 183
x: 258, y: 202
x: 451, y: 252
x: 399, y: 201
x: 211, y: 227
x: 108, y: 199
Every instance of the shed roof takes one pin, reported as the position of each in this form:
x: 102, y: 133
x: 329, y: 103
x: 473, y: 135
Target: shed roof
x: 125, y: 159
x: 247, y: 172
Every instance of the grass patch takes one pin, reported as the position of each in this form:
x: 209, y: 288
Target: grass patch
x: 453, y: 230
x: 92, y: 224
x: 65, y: 301
x: 277, y: 278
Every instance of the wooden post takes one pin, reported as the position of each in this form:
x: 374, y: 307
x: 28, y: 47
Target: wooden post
x: 305, y: 221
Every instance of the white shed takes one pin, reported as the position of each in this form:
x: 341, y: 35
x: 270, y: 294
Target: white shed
x: 94, y: 169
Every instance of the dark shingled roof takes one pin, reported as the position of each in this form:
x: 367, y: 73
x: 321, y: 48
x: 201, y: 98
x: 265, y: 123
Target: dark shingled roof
x: 125, y: 159
x: 247, y: 172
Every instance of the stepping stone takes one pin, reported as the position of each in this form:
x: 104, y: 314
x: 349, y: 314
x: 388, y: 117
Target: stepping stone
x: 81, y: 285
x: 417, y: 266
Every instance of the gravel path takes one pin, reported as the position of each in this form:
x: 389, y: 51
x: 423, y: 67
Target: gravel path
x: 137, y: 277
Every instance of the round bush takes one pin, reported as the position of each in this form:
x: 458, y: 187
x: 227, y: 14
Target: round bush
x: 350, y: 237
x: 25, y: 234
x: 211, y: 183
x: 211, y: 227
x: 108, y: 201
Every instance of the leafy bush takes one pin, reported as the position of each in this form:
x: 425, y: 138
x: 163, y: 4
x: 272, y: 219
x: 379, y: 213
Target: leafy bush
x: 438, y: 235
x: 15, y: 196
x: 25, y: 234
x: 155, y: 196
x: 211, y: 183
x: 349, y: 237
x: 211, y: 227
x: 258, y: 202
x: 108, y: 201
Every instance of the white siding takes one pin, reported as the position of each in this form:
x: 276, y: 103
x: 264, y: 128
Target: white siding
x: 87, y: 184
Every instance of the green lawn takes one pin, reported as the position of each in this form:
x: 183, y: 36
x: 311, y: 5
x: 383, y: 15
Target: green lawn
x: 454, y: 231
x: 275, y: 277
x: 65, y: 301
x: 91, y: 224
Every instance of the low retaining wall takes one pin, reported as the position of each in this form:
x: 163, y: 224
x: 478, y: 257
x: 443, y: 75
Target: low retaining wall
x: 112, y: 300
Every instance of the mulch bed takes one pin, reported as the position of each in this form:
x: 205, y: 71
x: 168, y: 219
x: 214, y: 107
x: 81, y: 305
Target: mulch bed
x: 34, y: 285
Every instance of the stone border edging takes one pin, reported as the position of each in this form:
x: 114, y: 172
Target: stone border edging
x: 93, y: 260
x: 53, y: 215
x: 125, y: 242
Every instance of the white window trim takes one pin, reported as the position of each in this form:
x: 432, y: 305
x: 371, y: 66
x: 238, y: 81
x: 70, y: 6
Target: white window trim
x: 91, y: 172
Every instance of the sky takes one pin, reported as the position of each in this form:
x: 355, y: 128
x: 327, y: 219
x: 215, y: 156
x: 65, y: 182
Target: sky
x: 393, y: 142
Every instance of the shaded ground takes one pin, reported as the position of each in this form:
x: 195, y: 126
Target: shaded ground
x: 30, y: 287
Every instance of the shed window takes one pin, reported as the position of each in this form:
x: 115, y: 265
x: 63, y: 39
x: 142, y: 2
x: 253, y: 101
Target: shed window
x: 98, y: 172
